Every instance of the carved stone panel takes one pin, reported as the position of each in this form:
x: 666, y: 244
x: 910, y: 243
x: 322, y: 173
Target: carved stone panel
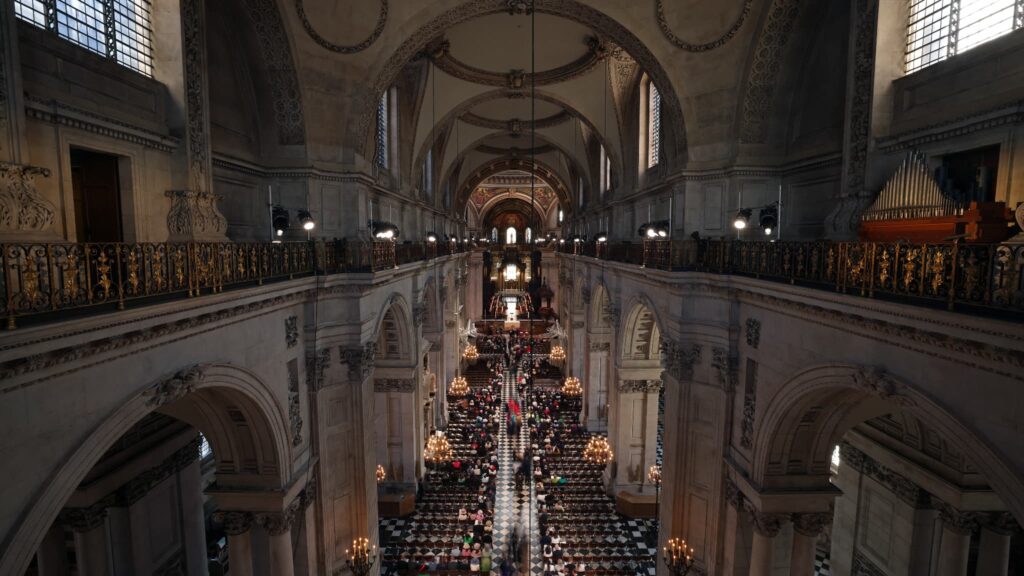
x: 24, y: 213
x: 394, y: 385
x: 639, y: 386
x: 291, y: 331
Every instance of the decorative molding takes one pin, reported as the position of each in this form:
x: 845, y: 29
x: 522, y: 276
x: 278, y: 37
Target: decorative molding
x: 1000, y: 522
x: 194, y: 216
x: 577, y: 324
x: 23, y: 211
x: 316, y: 365
x: 679, y: 359
x: 642, y: 386
x: 611, y: 314
x: 519, y: 7
x: 382, y: 19
x: 678, y: 42
x: 899, y: 485
x: 764, y: 70
x: 280, y: 69
x: 360, y: 361
x: 958, y: 127
x: 600, y: 346
x: 515, y: 125
x: 753, y: 333
x: 768, y: 525
x: 54, y: 112
x: 419, y: 313
x: 294, y: 403
x: 394, y: 385
x: 275, y: 523
x: 733, y: 494
x: 725, y: 367
x: 174, y: 388
x: 234, y: 523
x: 291, y: 331
x: 439, y: 52
x: 83, y: 520
x: 878, y: 383
x: 811, y: 524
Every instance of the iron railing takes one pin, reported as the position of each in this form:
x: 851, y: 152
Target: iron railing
x: 958, y: 276
x: 40, y: 279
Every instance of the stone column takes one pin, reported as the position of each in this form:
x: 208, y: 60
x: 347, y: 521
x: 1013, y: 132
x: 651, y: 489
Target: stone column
x: 955, y: 546
x: 92, y: 546
x: 119, y: 534
x: 279, y: 528
x: 994, y: 547
x: 596, y: 387
x: 766, y: 528
x: 806, y: 529
x: 734, y: 500
x: 238, y: 526
x: 52, y: 557
x: 922, y: 541
x: 192, y: 515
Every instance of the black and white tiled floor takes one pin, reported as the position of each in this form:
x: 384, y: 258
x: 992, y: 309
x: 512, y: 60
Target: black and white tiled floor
x: 822, y: 566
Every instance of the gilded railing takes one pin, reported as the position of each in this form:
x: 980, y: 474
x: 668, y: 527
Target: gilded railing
x: 46, y: 278
x: 957, y: 276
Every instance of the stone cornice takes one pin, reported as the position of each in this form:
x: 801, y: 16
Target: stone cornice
x: 1002, y: 116
x: 61, y: 114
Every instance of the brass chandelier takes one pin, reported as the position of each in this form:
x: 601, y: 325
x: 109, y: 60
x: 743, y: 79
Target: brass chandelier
x: 557, y: 354
x: 598, y: 451
x: 459, y: 387
x: 678, y: 557
x: 382, y: 474
x: 471, y: 354
x: 572, y: 387
x: 438, y: 450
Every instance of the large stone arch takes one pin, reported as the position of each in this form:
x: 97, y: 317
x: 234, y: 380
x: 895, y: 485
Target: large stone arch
x: 605, y: 25
x: 394, y: 332
x: 544, y: 171
x: 209, y: 397
x: 642, y: 329
x: 600, y: 316
x: 805, y: 418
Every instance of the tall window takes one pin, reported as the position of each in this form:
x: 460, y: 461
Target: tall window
x: 561, y: 215
x: 529, y: 235
x: 117, y: 29
x: 940, y: 29
x: 428, y: 174
x: 510, y: 235
x: 606, y: 171
x: 381, y: 153
x: 653, y: 125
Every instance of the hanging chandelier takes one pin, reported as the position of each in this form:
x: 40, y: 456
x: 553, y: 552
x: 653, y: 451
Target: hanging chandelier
x: 361, y: 557
x: 572, y: 387
x: 382, y: 474
x: 438, y: 450
x: 459, y: 387
x: 557, y: 354
x: 598, y: 451
x: 678, y: 557
x: 654, y: 475
x: 471, y: 354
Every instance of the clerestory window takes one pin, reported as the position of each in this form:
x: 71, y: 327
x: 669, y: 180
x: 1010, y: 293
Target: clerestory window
x: 941, y: 29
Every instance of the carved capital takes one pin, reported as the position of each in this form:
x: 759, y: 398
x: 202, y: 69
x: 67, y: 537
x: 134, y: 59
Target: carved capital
x: 174, y: 388
x: 679, y: 359
x: 275, y: 523
x: 767, y: 525
x: 23, y: 211
x: 194, y: 217
x: 733, y: 495
x: 291, y: 331
x: 600, y: 346
x: 957, y: 521
x: 419, y: 314
x: 811, y: 524
x: 725, y: 367
x: 316, y: 365
x: 1000, y: 522
x: 234, y: 523
x: 360, y: 360
x: 85, y: 519
x: 520, y: 7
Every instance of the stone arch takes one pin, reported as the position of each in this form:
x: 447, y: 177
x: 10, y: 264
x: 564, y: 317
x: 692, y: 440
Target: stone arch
x: 544, y: 171
x: 394, y: 335
x: 210, y: 397
x: 598, y: 320
x: 575, y: 10
x: 804, y: 419
x: 431, y: 306
x: 641, y: 334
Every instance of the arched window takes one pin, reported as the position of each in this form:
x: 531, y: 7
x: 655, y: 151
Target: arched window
x: 510, y: 235
x: 428, y: 174
x: 494, y: 234
x: 117, y: 29
x: 529, y: 235
x: 653, y: 125
x: 383, y: 131
x: 561, y: 215
x: 940, y: 29
x: 606, y: 171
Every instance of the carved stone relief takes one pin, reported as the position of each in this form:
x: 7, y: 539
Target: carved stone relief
x: 753, y: 333
x: 294, y: 403
x: 765, y: 524
x: 291, y: 331
x: 679, y: 359
x: 811, y: 524
x: 764, y: 71
x: 315, y: 367
x: 174, y: 388
x: 749, y: 407
x: 600, y: 346
x: 284, y: 81
x: 234, y: 523
x: 360, y: 361
x: 878, y: 383
x: 23, y: 211
x: 905, y: 489
x: 197, y: 139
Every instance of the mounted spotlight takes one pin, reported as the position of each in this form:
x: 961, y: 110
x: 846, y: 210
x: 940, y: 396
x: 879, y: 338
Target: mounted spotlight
x: 306, y: 219
x: 431, y: 237
x: 601, y: 237
x: 279, y: 220
x: 769, y: 219
x: 577, y: 238
x: 383, y: 230
x: 742, y: 218
x: 654, y: 230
